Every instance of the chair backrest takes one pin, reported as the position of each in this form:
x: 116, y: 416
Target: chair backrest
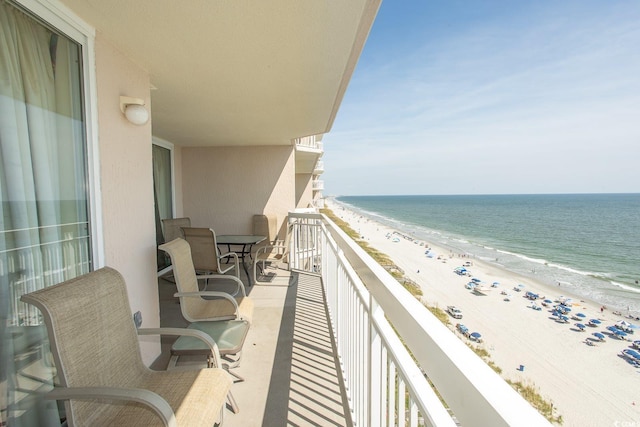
x: 185, y: 276
x: 172, y: 227
x: 92, y: 335
x: 265, y: 225
x: 204, y: 248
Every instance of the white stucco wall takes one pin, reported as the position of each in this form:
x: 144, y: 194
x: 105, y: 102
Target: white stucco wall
x: 126, y: 181
x: 223, y: 187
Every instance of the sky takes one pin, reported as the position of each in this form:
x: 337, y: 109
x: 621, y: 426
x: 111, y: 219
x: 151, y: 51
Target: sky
x: 492, y: 97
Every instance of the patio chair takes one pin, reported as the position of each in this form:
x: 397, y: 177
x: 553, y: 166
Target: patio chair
x: 275, y: 254
x: 194, y: 306
x: 100, y: 373
x: 172, y: 228
x: 265, y: 225
x: 205, y: 253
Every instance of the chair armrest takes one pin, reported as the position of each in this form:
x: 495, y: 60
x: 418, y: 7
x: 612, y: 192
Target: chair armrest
x: 225, y: 277
x: 236, y: 261
x: 201, y: 294
x: 229, y: 254
x: 190, y: 333
x: 264, y: 249
x: 146, y: 397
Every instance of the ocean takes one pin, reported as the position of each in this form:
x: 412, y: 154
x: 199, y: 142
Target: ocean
x: 588, y: 243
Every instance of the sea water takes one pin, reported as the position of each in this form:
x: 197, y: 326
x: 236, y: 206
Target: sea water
x: 587, y: 243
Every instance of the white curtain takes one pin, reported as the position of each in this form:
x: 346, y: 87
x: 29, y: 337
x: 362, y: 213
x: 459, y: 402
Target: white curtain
x: 43, y: 212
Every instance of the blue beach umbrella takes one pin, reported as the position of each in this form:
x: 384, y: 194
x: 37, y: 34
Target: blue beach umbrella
x: 582, y: 315
x: 620, y: 333
x: 632, y: 353
x: 476, y: 336
x: 595, y: 321
x: 598, y: 335
x: 581, y: 326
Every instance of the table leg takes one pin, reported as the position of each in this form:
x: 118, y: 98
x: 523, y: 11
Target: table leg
x: 244, y: 265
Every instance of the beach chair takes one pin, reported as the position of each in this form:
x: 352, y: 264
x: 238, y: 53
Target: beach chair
x: 100, y: 373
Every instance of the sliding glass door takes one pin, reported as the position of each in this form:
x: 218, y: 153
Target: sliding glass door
x: 44, y: 204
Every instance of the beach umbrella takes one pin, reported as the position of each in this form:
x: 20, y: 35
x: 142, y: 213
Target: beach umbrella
x: 595, y: 321
x: 598, y: 335
x: 564, y: 318
x: 581, y: 315
x: 580, y: 326
x: 620, y: 333
x: 632, y: 353
x: 476, y: 336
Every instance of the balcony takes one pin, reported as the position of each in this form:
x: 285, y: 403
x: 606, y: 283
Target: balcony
x: 323, y: 350
x: 319, y: 168
x: 308, y: 143
x: 308, y: 151
x: 317, y: 185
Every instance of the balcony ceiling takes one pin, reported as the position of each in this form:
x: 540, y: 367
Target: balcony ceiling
x: 233, y: 72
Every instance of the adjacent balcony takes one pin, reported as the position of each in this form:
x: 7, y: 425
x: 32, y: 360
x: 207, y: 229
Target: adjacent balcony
x: 319, y: 168
x: 309, y: 142
x: 337, y: 341
x: 308, y: 151
x: 317, y: 185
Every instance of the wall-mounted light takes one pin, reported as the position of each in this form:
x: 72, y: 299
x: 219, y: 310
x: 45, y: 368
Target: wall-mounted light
x: 134, y: 110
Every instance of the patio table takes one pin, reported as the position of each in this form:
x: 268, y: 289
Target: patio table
x: 242, y: 245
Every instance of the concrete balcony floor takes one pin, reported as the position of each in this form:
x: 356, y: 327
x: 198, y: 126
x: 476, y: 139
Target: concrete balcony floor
x: 288, y: 363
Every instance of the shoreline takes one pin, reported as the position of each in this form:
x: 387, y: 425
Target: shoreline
x: 587, y: 384
x: 589, y: 282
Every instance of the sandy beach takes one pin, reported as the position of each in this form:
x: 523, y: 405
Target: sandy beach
x: 589, y: 385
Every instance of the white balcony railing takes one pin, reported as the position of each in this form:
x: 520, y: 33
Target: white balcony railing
x: 385, y: 384
x: 319, y: 168
x: 317, y: 185
x: 309, y: 142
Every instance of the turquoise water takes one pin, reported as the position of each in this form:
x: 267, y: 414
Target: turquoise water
x: 590, y: 243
